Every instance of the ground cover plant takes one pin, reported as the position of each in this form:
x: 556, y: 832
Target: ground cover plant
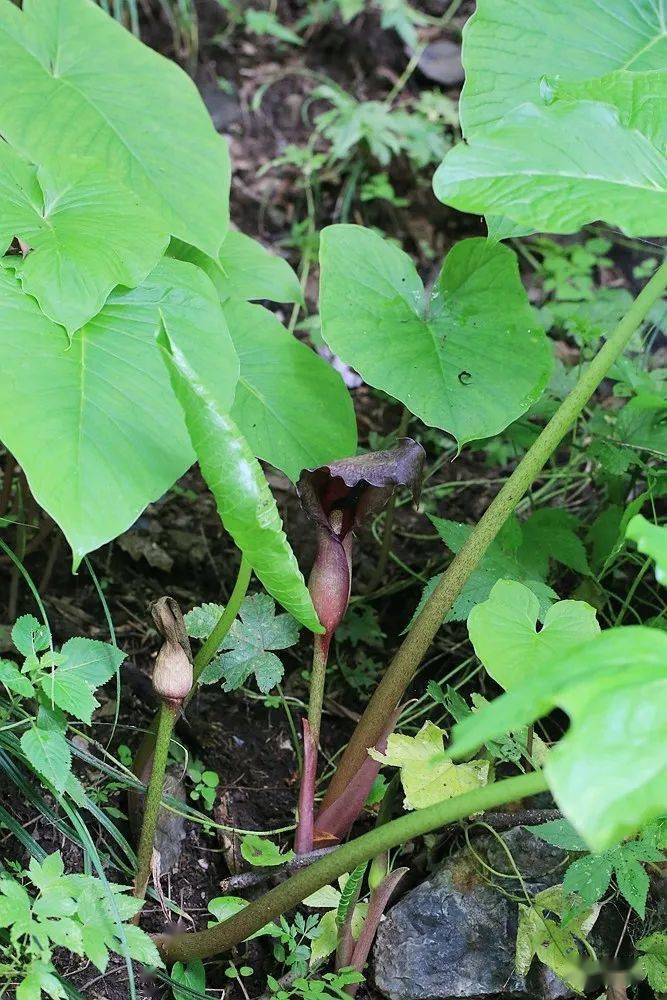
x: 370, y: 563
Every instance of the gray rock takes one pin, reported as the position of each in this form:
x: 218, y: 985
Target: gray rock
x: 454, y: 935
x: 223, y: 108
x: 534, y: 858
x: 441, y: 62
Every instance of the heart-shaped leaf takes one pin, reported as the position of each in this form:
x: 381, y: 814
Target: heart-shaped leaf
x: 470, y: 360
x: 79, y: 74
x: 608, y: 774
x: 235, y: 478
x: 503, y: 631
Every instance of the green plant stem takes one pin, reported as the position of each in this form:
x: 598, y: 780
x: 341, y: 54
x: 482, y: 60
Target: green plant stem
x: 202, y: 659
x: 318, y: 676
x: 631, y: 592
x: 409, y: 655
x: 166, y: 720
x: 220, y: 938
x: 307, y: 255
x: 212, y: 644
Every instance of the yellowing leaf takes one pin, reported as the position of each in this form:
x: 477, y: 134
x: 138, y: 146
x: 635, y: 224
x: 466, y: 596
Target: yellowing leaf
x: 554, y: 943
x: 425, y: 776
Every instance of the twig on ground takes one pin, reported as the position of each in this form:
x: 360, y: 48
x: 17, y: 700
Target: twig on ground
x: 257, y: 876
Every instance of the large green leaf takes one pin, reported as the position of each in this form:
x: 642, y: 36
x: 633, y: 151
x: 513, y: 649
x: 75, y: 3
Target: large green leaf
x: 609, y: 772
x: 292, y: 407
x: 557, y: 168
x: 510, y: 45
x: 95, y: 425
x: 87, y: 233
x: 471, y: 360
x: 244, y: 269
x: 75, y: 83
x: 563, y: 117
x: 235, y: 478
x: 503, y: 631
x: 640, y: 99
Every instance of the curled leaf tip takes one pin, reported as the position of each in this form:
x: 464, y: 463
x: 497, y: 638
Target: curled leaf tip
x: 360, y: 485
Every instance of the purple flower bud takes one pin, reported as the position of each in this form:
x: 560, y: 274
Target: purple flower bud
x: 339, y: 497
x: 330, y: 580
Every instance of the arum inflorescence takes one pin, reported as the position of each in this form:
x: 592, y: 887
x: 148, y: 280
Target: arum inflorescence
x: 339, y: 497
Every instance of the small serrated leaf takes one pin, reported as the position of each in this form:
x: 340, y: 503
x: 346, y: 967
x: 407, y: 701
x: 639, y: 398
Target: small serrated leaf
x: 70, y: 694
x: 654, y: 960
x: 426, y: 775
x: 249, y: 646
x: 12, y: 678
x: 559, y: 833
x: 632, y: 882
x: 140, y: 946
x: 29, y: 636
x: 48, y: 752
x: 589, y: 877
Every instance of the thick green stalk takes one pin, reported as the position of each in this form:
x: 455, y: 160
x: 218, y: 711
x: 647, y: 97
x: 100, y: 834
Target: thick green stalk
x: 220, y: 938
x: 143, y: 755
x: 166, y: 719
x: 401, y: 670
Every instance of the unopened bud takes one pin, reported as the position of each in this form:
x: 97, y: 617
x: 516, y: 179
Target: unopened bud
x: 330, y: 579
x: 379, y: 870
x: 173, y: 672
x: 172, y: 676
